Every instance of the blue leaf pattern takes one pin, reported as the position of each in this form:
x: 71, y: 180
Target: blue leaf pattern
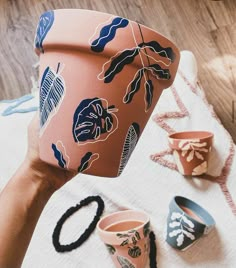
x: 108, y: 33
x: 44, y: 25
x: 59, y: 156
x: 52, y: 91
x: 94, y: 121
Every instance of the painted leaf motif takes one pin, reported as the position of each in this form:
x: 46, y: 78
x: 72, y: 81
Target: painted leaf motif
x: 189, y: 222
x: 118, y: 63
x: 108, y: 33
x: 162, y: 51
x: 189, y: 235
x: 175, y: 215
x: 148, y: 93
x: 180, y: 240
x: 44, y: 25
x: 59, y: 156
x: 94, y: 121
x: 175, y: 233
x: 174, y: 224
x: 125, y: 263
x: 200, y: 169
x: 131, y: 140
x: 52, y: 91
x: 160, y: 72
x: 110, y: 249
x: 133, y: 86
x: 199, y: 156
x: 87, y: 161
x: 190, y: 156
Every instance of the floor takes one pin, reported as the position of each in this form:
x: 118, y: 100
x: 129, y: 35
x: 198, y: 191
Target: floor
x: 206, y: 27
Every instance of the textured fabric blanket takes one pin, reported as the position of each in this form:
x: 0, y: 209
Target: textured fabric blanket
x: 149, y: 182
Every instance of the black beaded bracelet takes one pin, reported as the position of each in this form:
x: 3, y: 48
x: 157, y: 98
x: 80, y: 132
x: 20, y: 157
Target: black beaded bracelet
x: 88, y: 231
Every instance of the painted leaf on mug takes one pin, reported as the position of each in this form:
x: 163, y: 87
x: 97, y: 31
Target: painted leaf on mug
x: 52, y: 91
x: 94, y: 120
x: 131, y: 140
x: 87, y: 161
x: 44, y: 25
x: 60, y: 154
x: 125, y: 263
x: 107, y: 33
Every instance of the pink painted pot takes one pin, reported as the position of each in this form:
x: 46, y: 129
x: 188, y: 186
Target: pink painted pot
x: 125, y: 235
x: 101, y: 77
x: 191, y: 150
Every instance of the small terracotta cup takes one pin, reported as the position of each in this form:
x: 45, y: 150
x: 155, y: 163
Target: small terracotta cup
x: 126, y: 236
x: 101, y: 77
x: 186, y: 223
x: 191, y: 150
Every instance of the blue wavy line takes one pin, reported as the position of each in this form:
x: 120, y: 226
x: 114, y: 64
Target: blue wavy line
x: 108, y: 33
x: 58, y: 155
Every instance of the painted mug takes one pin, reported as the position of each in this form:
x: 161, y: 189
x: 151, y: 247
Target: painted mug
x: 101, y: 76
x: 126, y: 236
x: 191, y: 151
x: 187, y: 222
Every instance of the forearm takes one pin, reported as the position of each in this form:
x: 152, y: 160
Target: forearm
x: 21, y: 204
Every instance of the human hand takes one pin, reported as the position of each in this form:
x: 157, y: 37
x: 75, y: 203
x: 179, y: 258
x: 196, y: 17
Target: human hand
x: 54, y: 177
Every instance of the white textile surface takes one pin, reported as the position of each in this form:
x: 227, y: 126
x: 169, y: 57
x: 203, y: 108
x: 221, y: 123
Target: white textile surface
x: 144, y: 185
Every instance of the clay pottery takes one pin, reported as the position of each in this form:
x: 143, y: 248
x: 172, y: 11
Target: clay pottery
x: 126, y: 236
x: 191, y: 150
x: 100, y: 78
x: 186, y: 223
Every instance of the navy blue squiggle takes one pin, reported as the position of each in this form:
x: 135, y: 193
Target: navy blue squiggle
x: 59, y: 156
x: 107, y: 33
x: 44, y: 25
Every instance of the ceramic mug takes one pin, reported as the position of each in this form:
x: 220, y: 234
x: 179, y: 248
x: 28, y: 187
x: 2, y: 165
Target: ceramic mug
x: 126, y: 236
x: 191, y: 151
x: 101, y: 77
x: 186, y: 223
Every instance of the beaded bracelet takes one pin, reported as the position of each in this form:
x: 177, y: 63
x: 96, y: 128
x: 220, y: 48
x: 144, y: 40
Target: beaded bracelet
x: 88, y: 231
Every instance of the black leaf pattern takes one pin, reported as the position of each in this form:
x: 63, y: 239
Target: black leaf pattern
x: 118, y: 63
x: 125, y: 263
x: 134, y: 86
x: 149, y: 93
x: 131, y: 140
x: 87, y: 161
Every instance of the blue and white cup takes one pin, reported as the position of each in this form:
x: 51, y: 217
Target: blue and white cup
x: 186, y: 223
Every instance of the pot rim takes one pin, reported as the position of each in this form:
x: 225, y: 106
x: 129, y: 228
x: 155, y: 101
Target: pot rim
x: 64, y: 45
x: 202, y: 135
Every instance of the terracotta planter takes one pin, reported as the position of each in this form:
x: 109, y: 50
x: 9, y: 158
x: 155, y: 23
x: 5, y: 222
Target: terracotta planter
x: 186, y: 223
x: 101, y: 77
x: 191, y: 150
x: 125, y: 235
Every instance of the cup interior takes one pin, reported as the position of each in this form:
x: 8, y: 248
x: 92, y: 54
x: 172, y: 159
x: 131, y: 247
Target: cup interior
x: 191, y: 135
x: 192, y: 214
x: 123, y: 221
x: 194, y: 211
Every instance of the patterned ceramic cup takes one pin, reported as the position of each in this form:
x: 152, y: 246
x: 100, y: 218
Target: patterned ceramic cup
x: 125, y: 235
x: 186, y: 223
x: 191, y: 150
x: 101, y: 77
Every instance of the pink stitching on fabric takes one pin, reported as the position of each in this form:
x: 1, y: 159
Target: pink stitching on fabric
x: 158, y: 157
